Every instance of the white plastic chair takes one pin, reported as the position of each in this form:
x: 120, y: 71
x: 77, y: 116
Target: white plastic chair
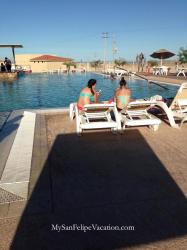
x: 177, y: 108
x: 137, y: 114
x: 164, y: 70
x: 95, y: 116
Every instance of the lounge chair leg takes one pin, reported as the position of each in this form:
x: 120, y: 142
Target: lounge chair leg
x: 183, y: 120
x: 72, y: 111
x: 154, y: 127
x: 114, y: 131
x: 121, y: 131
x: 79, y: 131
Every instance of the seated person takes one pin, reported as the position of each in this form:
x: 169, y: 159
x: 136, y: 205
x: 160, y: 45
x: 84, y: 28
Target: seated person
x: 3, y: 69
x: 88, y: 94
x: 122, y: 95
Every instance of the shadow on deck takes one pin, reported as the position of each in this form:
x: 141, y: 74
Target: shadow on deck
x: 102, y: 179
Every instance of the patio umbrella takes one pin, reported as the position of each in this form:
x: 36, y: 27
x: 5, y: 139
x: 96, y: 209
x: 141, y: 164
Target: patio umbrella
x: 162, y: 54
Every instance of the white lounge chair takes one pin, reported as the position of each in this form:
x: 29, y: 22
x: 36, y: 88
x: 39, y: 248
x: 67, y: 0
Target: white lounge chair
x: 137, y: 114
x: 178, y: 107
x: 182, y: 113
x: 181, y: 71
x: 95, y: 116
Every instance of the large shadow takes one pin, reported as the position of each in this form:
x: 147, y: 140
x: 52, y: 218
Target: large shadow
x: 102, y: 179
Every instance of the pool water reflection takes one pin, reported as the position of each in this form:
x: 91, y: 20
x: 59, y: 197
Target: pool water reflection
x: 59, y: 90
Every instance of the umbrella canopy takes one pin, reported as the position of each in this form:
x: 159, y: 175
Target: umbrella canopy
x: 162, y: 54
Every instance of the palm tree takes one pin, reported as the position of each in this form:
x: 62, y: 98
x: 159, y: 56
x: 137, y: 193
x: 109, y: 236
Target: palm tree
x: 152, y: 63
x: 69, y: 64
x: 119, y: 62
x: 182, y: 55
x: 96, y: 64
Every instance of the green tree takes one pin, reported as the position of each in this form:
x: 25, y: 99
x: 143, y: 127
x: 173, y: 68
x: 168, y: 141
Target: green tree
x: 96, y: 64
x: 182, y: 55
x: 69, y: 64
x: 153, y: 63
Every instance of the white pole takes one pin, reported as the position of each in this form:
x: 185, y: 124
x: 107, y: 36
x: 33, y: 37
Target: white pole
x: 114, y: 50
x: 105, y: 37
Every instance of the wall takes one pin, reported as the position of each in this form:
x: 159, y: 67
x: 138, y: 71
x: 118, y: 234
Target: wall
x: 24, y: 59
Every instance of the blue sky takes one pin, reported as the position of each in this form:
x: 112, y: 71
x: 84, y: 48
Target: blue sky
x: 74, y: 28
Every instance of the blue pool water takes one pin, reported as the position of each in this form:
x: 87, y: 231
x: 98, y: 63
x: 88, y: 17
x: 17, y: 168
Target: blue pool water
x: 59, y: 90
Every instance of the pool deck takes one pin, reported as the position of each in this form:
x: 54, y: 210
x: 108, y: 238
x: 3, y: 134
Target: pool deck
x: 171, y: 79
x: 137, y: 178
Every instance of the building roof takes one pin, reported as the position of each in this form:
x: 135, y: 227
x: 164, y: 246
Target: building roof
x: 49, y: 58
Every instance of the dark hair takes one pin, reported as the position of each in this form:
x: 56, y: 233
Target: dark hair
x: 122, y: 82
x: 91, y: 83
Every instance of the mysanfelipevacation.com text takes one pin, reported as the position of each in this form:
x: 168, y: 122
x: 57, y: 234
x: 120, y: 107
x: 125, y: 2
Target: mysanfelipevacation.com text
x: 93, y: 227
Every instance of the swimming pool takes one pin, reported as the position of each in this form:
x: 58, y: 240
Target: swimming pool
x: 59, y: 90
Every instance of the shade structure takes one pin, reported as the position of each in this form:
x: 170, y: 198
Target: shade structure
x: 13, y: 46
x: 162, y: 54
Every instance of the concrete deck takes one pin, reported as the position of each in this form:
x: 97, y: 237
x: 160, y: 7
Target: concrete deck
x: 9, y: 77
x: 165, y: 79
x: 7, y: 136
x: 16, y: 174
x: 138, y: 178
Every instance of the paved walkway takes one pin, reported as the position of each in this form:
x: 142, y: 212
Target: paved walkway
x: 138, y: 179
x: 167, y: 79
x: 16, y: 174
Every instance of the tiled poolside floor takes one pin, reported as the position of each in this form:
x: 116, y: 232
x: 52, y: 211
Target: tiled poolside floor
x: 138, y: 178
